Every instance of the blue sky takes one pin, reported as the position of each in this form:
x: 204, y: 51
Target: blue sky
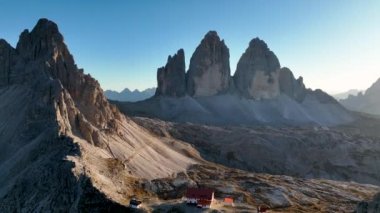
x: 333, y: 44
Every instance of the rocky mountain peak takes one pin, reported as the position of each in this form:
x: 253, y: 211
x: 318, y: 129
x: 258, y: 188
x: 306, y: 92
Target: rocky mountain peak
x: 209, y: 71
x: 211, y: 37
x: 171, y: 78
x: 46, y: 27
x: 211, y: 33
x: 43, y: 61
x: 4, y: 44
x: 261, y: 57
x: 44, y: 40
x: 256, y: 74
x: 258, y: 44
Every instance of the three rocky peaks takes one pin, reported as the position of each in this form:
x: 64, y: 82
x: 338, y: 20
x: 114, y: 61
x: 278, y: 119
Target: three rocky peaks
x: 258, y: 74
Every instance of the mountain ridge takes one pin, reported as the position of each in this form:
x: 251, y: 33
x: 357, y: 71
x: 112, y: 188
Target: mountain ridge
x: 128, y: 95
x: 260, y: 91
x: 367, y: 101
x: 56, y: 119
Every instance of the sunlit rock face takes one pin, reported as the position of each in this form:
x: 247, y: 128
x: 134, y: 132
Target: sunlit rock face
x: 171, y: 78
x: 209, y: 72
x: 257, y: 72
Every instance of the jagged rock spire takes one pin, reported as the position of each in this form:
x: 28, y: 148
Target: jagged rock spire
x: 256, y: 74
x: 209, y: 71
x: 171, y: 78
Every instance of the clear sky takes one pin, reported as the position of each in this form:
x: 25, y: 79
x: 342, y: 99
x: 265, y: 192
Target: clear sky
x: 333, y: 44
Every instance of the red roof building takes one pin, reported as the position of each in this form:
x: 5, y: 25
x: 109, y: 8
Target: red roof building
x: 202, y: 197
x: 229, y: 200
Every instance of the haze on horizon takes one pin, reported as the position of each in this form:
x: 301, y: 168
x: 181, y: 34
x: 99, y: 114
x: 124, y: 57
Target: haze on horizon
x: 334, y: 45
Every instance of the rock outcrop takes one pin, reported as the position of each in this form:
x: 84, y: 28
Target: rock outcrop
x: 209, y: 71
x: 257, y: 72
x: 290, y: 86
x: 171, y: 78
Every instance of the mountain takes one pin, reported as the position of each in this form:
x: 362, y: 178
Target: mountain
x: 344, y: 95
x: 261, y: 91
x: 128, y: 95
x: 65, y: 148
x: 368, y: 102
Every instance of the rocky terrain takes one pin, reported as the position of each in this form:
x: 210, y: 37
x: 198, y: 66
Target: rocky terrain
x: 261, y: 91
x: 280, y: 193
x: 307, y: 152
x: 65, y: 148
x: 128, y: 95
x: 368, y: 102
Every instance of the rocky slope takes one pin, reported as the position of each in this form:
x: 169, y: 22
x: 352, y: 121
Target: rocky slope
x: 128, y: 95
x: 259, y: 92
x: 368, y: 102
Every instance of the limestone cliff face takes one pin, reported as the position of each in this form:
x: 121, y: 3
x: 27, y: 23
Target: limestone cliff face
x: 209, y: 72
x: 171, y: 78
x: 257, y: 72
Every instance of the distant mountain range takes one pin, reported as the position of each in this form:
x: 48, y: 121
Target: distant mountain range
x: 344, y: 95
x: 368, y: 102
x: 130, y: 96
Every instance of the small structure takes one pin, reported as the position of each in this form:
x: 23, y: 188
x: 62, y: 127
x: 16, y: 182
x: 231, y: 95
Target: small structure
x: 229, y: 201
x: 201, y: 197
x: 133, y: 203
